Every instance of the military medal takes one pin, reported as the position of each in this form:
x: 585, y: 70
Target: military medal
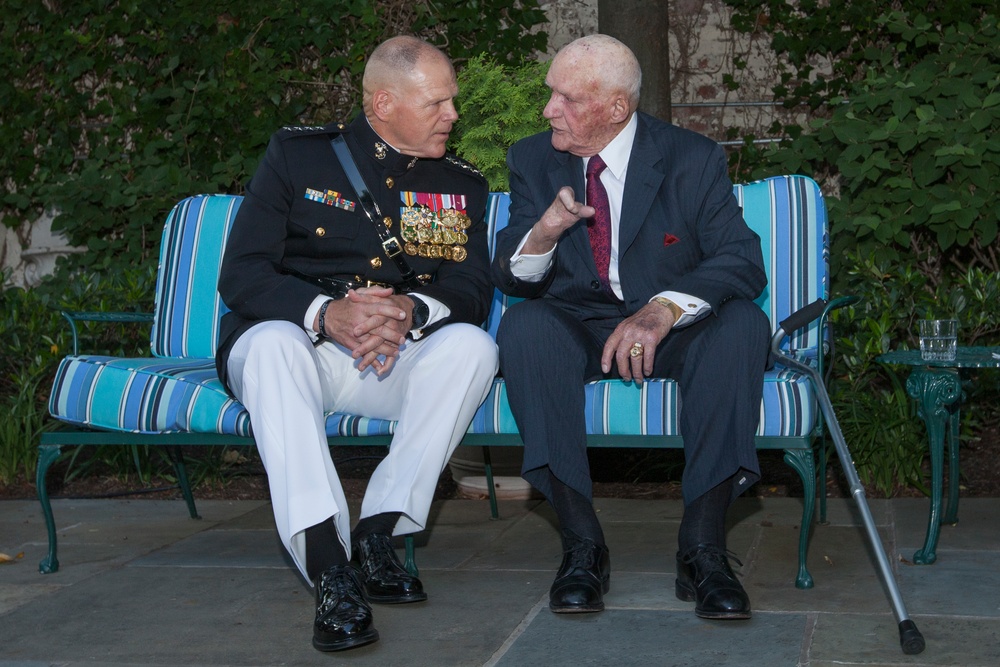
x: 330, y: 198
x: 433, y: 225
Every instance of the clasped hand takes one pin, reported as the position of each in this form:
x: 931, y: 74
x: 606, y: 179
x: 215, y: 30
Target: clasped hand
x: 372, y: 323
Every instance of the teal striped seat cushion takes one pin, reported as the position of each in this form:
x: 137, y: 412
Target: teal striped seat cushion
x: 171, y: 395
x: 165, y: 395
x: 616, y: 408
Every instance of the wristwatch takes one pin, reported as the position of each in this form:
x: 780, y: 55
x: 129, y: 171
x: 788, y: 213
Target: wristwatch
x: 421, y: 312
x: 669, y: 305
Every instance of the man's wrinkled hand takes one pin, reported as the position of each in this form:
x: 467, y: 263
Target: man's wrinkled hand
x: 641, y: 332
x: 388, y: 324
x: 558, y: 217
x: 381, y: 336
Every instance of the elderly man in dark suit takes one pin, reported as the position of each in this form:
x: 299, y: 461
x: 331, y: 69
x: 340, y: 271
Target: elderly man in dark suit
x: 634, y: 261
x: 377, y: 315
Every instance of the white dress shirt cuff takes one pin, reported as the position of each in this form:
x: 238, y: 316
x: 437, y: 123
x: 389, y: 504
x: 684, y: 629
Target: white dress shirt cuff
x: 692, y: 308
x: 530, y: 268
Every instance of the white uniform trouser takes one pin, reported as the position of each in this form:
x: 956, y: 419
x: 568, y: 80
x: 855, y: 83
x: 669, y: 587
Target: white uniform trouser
x: 286, y: 384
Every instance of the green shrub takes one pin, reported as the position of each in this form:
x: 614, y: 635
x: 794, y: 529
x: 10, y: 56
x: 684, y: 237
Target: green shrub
x: 914, y: 150
x: 906, y: 146
x: 825, y: 47
x: 28, y: 354
x: 498, y: 105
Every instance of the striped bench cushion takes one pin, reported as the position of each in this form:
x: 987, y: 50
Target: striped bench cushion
x: 177, y: 389
x: 150, y: 395
x: 185, y: 395
x: 616, y: 408
x: 188, y: 308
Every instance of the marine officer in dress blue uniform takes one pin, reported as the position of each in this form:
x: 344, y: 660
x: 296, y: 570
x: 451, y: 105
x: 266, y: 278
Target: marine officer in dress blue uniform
x: 323, y: 319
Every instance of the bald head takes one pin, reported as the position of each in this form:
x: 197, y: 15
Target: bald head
x: 394, y: 62
x: 409, y: 91
x: 610, y: 63
x: 595, y: 83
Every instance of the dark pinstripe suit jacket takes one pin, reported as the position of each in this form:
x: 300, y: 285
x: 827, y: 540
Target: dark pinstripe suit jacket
x: 681, y: 228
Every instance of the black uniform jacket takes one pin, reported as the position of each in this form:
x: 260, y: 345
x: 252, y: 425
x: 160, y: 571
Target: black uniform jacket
x: 301, y: 215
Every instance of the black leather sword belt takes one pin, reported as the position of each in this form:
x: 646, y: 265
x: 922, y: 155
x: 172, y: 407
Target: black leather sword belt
x: 337, y: 287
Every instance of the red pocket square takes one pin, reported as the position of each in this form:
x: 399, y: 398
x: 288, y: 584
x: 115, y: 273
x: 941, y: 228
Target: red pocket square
x: 669, y: 239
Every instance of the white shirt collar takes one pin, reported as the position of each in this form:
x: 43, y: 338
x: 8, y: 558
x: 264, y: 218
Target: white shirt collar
x: 618, y: 150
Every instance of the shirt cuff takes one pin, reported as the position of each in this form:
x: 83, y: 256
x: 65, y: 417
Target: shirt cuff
x: 530, y: 268
x: 692, y: 308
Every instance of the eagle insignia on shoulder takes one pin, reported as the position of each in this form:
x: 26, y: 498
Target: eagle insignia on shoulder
x: 459, y: 162
x: 302, y: 128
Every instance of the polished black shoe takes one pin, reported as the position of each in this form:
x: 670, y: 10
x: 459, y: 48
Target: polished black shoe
x: 704, y: 575
x: 386, y: 580
x: 583, y: 578
x: 343, y: 616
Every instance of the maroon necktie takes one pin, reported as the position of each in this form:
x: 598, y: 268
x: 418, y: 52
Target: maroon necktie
x: 599, y: 227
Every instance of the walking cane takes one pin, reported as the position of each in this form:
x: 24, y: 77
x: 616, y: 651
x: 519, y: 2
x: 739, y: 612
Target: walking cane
x: 910, y: 638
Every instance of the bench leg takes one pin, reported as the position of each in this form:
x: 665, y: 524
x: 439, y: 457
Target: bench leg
x: 802, y: 461
x: 491, y: 489
x: 177, y: 458
x: 47, y: 455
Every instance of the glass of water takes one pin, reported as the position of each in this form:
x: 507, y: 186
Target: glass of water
x: 938, y: 340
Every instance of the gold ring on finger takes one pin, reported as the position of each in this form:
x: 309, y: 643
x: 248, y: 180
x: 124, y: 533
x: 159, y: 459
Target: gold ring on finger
x: 636, y: 350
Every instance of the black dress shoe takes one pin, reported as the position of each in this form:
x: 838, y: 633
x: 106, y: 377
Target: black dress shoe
x: 583, y: 578
x: 343, y: 616
x: 386, y: 580
x: 704, y: 575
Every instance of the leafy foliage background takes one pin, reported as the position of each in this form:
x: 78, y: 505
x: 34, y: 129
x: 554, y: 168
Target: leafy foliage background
x: 112, y: 110
x: 906, y: 99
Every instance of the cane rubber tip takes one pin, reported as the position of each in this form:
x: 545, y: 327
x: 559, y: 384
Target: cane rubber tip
x: 910, y: 638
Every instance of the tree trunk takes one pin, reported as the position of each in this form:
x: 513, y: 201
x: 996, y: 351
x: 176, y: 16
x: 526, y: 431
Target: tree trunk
x: 643, y: 26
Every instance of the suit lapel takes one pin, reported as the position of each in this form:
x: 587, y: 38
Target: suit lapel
x: 642, y: 182
x: 568, y: 170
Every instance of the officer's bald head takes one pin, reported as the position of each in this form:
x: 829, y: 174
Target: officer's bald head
x: 409, y: 89
x: 393, y: 63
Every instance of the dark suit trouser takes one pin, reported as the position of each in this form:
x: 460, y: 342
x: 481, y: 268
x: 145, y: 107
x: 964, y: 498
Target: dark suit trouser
x: 547, y: 354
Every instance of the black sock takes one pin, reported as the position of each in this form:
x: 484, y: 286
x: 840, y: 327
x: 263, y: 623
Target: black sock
x: 575, y: 512
x: 323, y: 549
x: 383, y: 523
x: 704, y: 520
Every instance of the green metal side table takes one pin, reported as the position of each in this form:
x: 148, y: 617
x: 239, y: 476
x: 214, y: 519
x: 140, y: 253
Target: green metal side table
x: 937, y: 389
